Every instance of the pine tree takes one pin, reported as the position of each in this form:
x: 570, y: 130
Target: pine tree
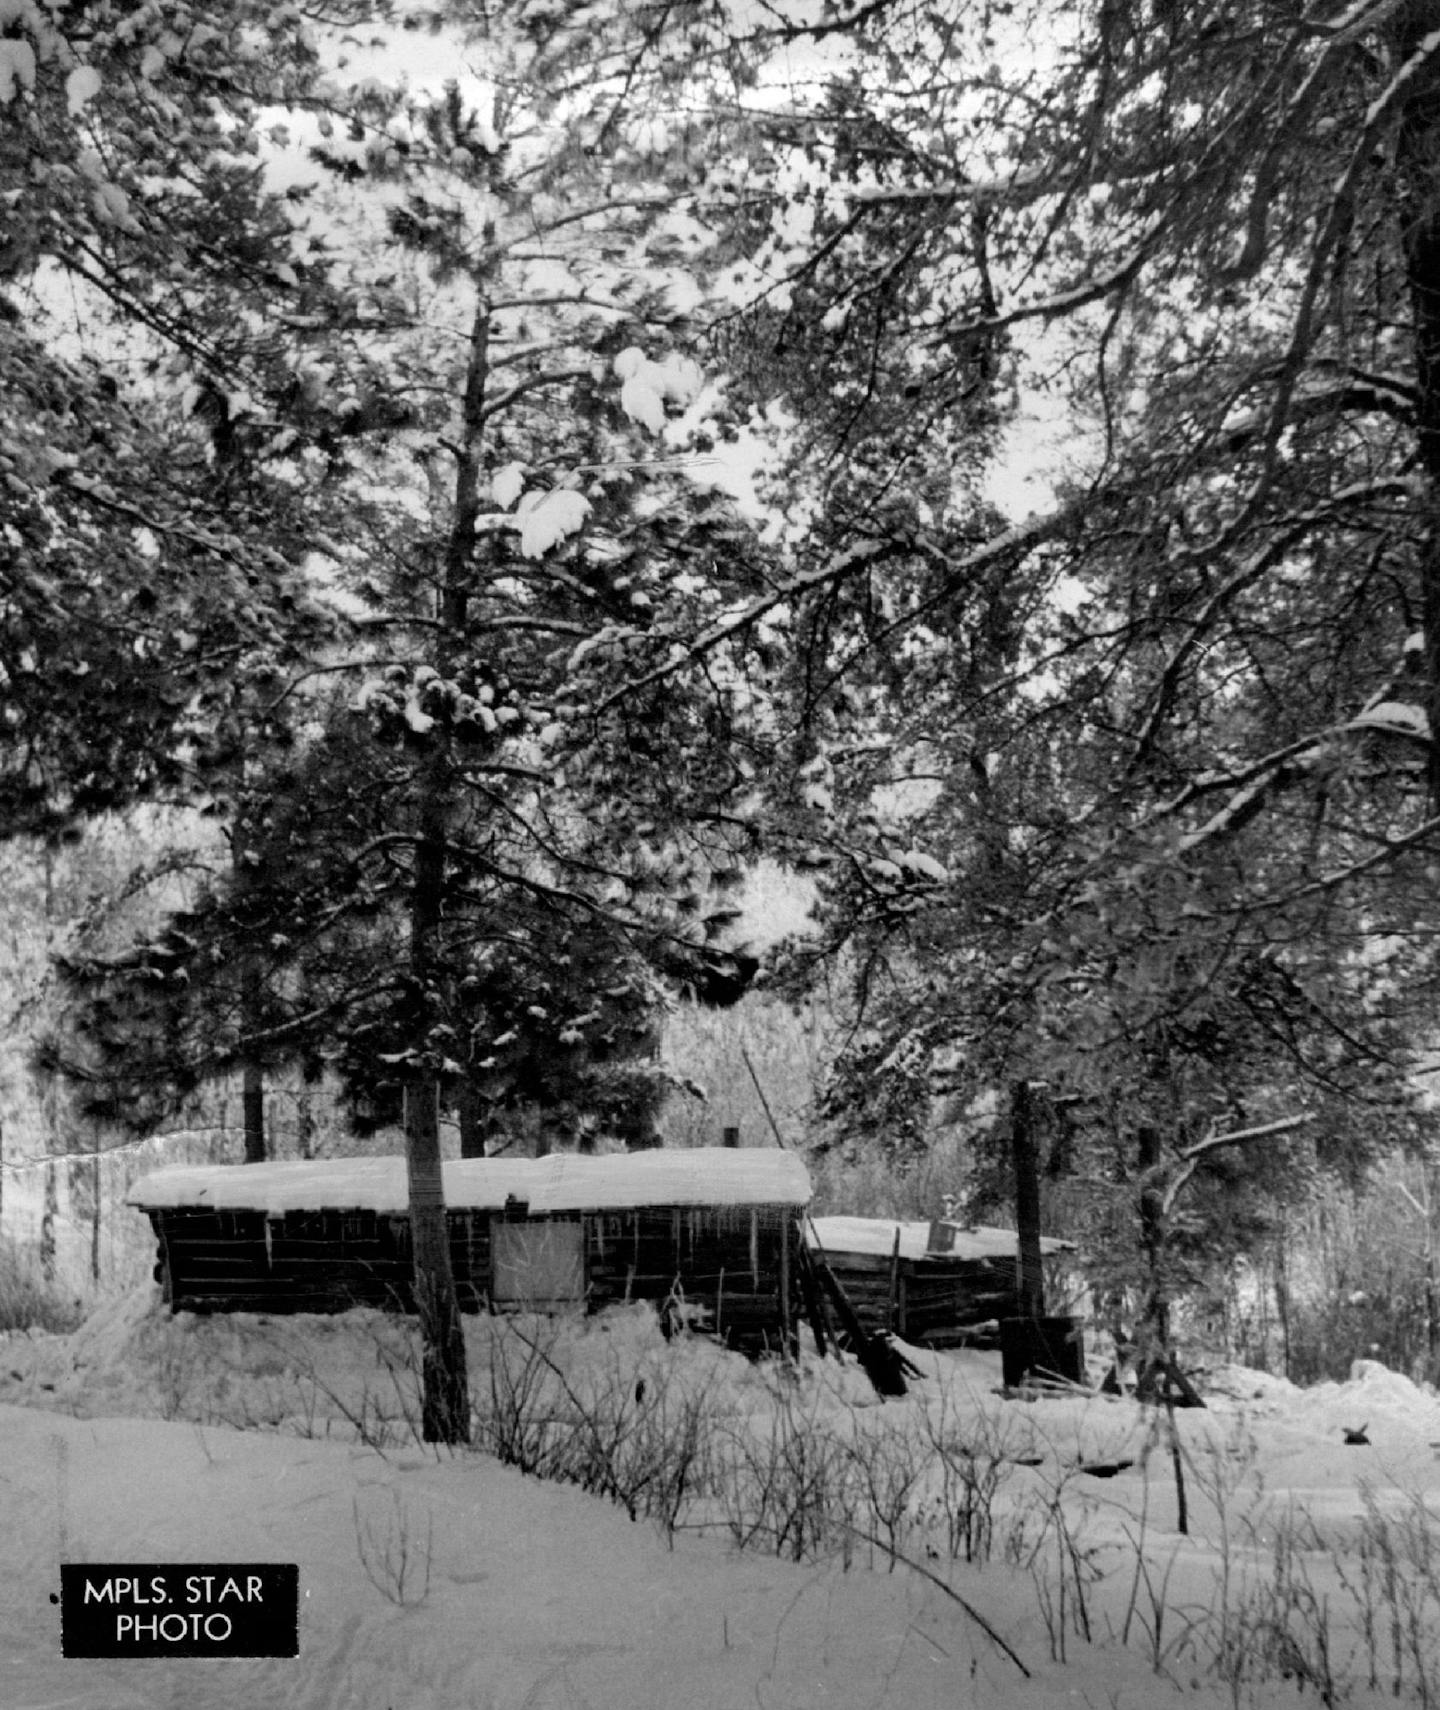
x: 452, y: 319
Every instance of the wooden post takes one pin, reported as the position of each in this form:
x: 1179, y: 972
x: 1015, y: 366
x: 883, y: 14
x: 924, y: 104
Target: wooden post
x: 894, y: 1283
x: 787, y: 1334
x: 97, y: 1183
x: 1154, y: 1334
x: 1030, y: 1277
x: 813, y: 1297
x: 1432, y: 1283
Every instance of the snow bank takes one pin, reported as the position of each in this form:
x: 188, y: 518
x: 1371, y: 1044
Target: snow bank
x: 562, y: 1182
x: 521, y: 1596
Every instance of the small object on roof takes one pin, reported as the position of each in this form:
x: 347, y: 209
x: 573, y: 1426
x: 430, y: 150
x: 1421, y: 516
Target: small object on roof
x: 1356, y: 1435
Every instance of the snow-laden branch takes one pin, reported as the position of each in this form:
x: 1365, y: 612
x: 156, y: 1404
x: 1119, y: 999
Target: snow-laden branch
x: 848, y: 562
x: 1063, y: 302
x: 532, y: 383
x: 1338, y: 221
x: 1248, y: 573
x: 1191, y: 1157
x: 970, y: 190
x: 1356, y: 393
x: 1296, y: 112
x: 1390, y: 848
x: 1251, y: 787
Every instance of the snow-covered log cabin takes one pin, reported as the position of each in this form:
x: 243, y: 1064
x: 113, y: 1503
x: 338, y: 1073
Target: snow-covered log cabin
x: 717, y: 1229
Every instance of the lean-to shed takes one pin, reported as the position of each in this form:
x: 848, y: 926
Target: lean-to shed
x: 711, y: 1228
x: 940, y: 1283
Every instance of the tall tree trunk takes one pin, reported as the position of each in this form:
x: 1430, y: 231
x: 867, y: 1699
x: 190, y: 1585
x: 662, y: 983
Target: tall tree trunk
x: 1155, y: 1318
x: 304, y: 1122
x: 446, y: 1398
x: 467, y: 1111
x: 1282, y: 1295
x: 1432, y: 1279
x: 446, y: 1401
x: 252, y: 1101
x: 1025, y: 1151
x: 252, y: 983
x: 445, y: 1383
x: 48, y: 1218
x: 1417, y: 159
x: 96, y: 1211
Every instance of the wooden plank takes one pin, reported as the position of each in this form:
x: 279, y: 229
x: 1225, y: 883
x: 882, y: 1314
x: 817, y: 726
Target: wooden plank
x: 786, y: 1325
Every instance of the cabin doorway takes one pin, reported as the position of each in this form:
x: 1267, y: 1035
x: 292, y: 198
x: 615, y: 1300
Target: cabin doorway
x: 538, y: 1263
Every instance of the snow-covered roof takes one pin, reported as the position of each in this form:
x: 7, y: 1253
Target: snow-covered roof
x: 875, y: 1237
x: 564, y: 1181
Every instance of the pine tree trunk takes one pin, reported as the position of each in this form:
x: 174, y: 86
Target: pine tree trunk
x: 446, y: 1399
x: 1417, y: 160
x: 1154, y: 1336
x: 47, y: 1223
x: 96, y: 1211
x: 1025, y: 1151
x: 252, y: 989
x: 1432, y: 1280
x: 304, y: 1123
x: 445, y: 1384
x: 252, y: 1099
x: 467, y: 1109
x: 1282, y: 1297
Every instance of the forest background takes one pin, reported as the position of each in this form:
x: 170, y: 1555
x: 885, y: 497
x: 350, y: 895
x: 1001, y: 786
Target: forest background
x: 479, y: 479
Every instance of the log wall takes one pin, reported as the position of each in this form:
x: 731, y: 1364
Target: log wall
x: 940, y: 1302
x: 735, y: 1262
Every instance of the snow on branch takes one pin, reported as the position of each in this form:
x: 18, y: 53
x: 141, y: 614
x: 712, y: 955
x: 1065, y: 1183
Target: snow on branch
x: 1338, y: 221
x: 1394, y: 718
x: 1191, y: 1156
x: 1389, y: 849
x: 837, y: 568
x: 1254, y: 567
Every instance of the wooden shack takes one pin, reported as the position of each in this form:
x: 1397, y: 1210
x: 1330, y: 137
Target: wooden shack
x: 936, y: 1284
x: 713, y: 1230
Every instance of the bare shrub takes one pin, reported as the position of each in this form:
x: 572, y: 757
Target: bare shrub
x: 891, y: 1464
x: 788, y: 1484
x: 383, y: 1413
x: 1395, y: 1589
x: 973, y: 1459
x: 1045, y: 1538
x: 634, y: 1430
x: 516, y: 1415
x: 394, y: 1551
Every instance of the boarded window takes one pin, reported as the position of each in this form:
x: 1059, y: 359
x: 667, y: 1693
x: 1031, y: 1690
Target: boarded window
x: 539, y: 1264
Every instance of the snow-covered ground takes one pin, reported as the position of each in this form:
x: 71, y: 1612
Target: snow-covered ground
x: 144, y: 1437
